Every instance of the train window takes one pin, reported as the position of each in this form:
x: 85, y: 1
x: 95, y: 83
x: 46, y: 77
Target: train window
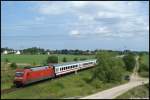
x: 19, y: 74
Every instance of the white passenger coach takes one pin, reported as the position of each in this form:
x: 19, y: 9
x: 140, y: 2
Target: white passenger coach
x: 73, y: 66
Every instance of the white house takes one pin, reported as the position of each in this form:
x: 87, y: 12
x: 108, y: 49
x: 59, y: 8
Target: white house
x: 48, y: 53
x: 18, y: 52
x: 5, y: 52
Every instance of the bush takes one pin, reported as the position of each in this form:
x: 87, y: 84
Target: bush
x: 143, y: 67
x: 129, y: 61
x: 108, y: 69
x: 75, y: 59
x: 13, y: 65
x: 33, y: 63
x: 96, y: 83
x: 52, y: 59
x: 64, y: 59
x: 6, y: 60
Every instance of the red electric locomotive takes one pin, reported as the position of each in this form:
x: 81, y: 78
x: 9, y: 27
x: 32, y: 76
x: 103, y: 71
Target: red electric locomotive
x: 30, y: 75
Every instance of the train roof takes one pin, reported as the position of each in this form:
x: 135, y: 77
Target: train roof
x: 71, y: 63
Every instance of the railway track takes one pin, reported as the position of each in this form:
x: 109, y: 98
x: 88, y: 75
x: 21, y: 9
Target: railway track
x: 4, y: 91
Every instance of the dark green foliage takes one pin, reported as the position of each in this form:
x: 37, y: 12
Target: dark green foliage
x: 143, y: 66
x: 75, y: 59
x: 109, y: 69
x: 33, y: 63
x: 6, y: 60
x: 13, y: 65
x: 83, y: 59
x: 52, y: 59
x: 33, y: 50
x: 64, y: 59
x: 129, y: 61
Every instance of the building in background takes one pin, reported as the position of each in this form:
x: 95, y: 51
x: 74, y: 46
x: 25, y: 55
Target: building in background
x: 5, y: 52
x: 18, y: 52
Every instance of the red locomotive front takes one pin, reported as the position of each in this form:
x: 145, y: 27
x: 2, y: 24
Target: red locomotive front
x: 30, y: 75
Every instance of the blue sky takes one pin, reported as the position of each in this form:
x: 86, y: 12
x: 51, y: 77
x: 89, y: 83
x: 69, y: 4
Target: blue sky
x: 115, y: 25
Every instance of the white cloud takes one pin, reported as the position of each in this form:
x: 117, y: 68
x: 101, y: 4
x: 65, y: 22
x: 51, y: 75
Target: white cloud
x: 74, y: 33
x: 102, y: 18
x: 79, y: 3
x: 101, y: 30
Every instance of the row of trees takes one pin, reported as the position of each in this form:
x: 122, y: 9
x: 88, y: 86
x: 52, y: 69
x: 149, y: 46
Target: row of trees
x: 35, y: 50
x: 111, y: 69
x: 54, y: 59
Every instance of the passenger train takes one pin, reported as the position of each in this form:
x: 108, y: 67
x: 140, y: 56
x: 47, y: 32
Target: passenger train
x: 30, y: 75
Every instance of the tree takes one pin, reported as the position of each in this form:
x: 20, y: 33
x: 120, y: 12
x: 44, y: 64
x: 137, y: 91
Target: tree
x: 108, y: 69
x: 52, y: 59
x: 64, y: 59
x: 129, y: 61
x: 75, y: 59
x: 13, y: 65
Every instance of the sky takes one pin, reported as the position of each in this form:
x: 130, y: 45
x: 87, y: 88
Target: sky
x: 115, y: 25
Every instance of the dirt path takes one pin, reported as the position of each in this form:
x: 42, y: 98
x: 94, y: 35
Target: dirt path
x: 118, y: 90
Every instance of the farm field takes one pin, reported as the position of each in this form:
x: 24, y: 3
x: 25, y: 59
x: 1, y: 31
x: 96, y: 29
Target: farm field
x: 39, y: 59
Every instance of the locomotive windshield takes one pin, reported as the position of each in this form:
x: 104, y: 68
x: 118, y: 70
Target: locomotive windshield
x: 19, y: 74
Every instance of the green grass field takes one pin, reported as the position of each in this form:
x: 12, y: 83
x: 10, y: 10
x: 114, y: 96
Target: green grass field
x: 144, y: 60
x: 62, y: 87
x: 8, y: 74
x: 137, y: 92
x: 39, y: 59
x: 66, y: 86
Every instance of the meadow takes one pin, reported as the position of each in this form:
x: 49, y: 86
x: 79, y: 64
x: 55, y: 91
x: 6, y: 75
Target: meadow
x: 8, y: 74
x: 67, y: 86
x: 144, y: 71
x: 63, y: 87
x: 39, y: 59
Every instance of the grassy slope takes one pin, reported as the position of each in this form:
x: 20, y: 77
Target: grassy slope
x: 38, y: 59
x: 145, y: 60
x: 137, y: 92
x: 8, y: 75
x: 66, y: 86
